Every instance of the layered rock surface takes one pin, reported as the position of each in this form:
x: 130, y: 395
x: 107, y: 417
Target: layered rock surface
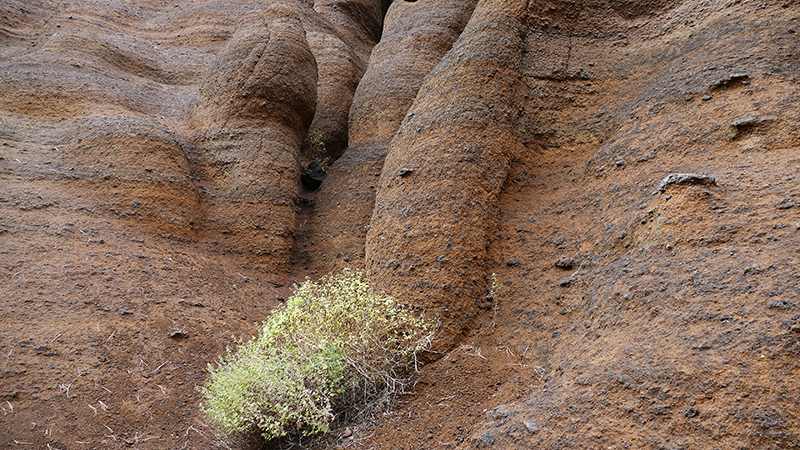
x: 150, y: 181
x: 151, y: 209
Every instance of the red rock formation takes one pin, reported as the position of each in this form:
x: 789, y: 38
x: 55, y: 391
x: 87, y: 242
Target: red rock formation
x: 150, y: 210
x: 429, y: 233
x: 251, y: 114
x: 638, y: 333
x: 149, y: 160
x: 415, y: 38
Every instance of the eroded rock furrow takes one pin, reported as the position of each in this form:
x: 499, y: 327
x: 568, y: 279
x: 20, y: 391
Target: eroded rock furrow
x: 429, y: 233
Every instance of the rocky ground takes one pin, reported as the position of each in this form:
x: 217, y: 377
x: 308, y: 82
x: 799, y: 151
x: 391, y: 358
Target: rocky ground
x: 151, y: 212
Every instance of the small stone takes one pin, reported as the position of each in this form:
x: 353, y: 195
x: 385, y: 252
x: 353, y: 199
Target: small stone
x: 176, y: 333
x: 564, y: 282
x: 785, y: 204
x: 702, y: 346
x: 747, y: 120
x: 565, y: 263
x: 487, y: 438
x: 658, y: 411
x: 195, y: 304
x: 532, y: 427
x: 685, y: 178
x: 705, y: 98
x: 690, y: 412
x: 769, y: 422
x: 406, y: 171
x: 486, y: 303
x: 742, y: 125
x: 781, y: 304
x: 513, y: 262
x: 347, y: 432
x: 754, y: 269
x: 730, y: 81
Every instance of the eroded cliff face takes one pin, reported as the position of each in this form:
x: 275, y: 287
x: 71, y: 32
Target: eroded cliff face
x: 415, y: 37
x: 150, y: 166
x: 535, y: 150
x: 151, y: 209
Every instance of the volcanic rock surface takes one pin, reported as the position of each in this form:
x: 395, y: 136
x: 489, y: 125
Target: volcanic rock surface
x: 626, y: 171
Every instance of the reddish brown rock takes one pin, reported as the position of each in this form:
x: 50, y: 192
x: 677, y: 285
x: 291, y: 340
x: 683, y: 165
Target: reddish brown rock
x: 341, y: 45
x: 612, y: 100
x: 438, y: 193
x: 252, y: 112
x: 149, y: 173
x: 415, y: 36
x: 145, y: 223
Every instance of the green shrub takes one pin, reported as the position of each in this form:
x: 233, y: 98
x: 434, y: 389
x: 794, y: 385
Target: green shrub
x: 332, y: 348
